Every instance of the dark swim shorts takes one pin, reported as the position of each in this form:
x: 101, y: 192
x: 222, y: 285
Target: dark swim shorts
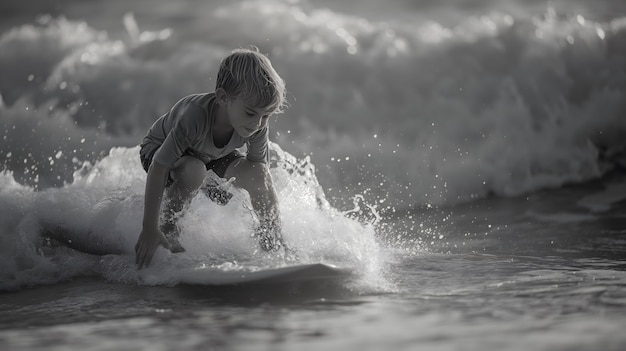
x: 218, y: 166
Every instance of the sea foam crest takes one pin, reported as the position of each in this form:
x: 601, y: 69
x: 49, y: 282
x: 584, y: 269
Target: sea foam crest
x: 101, y: 211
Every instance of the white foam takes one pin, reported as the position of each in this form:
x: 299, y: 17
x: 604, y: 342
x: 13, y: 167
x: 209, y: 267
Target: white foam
x: 402, y: 112
x: 103, y: 208
x: 405, y: 112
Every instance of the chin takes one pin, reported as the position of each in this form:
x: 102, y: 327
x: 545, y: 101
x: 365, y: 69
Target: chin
x: 244, y: 133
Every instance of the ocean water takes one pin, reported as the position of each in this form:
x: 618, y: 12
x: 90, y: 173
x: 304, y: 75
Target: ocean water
x: 466, y: 159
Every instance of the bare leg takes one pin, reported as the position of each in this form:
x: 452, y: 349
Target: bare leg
x: 188, y: 174
x: 256, y: 179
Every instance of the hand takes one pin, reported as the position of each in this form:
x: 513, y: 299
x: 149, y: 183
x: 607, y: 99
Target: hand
x: 147, y: 244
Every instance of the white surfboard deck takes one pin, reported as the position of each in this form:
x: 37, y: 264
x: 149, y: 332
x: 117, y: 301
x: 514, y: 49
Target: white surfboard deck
x: 290, y: 274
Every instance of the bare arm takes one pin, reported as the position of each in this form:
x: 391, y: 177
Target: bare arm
x: 151, y: 237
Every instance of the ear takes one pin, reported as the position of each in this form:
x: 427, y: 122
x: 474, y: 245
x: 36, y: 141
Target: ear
x: 221, y: 96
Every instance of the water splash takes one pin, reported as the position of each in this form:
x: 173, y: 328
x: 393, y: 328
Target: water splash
x: 100, y: 213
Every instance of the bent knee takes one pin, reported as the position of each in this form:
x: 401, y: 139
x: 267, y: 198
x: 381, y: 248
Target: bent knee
x: 189, y: 171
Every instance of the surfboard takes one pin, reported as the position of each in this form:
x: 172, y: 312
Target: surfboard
x: 302, y: 273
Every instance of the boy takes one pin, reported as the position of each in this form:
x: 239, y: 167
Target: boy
x: 202, y: 132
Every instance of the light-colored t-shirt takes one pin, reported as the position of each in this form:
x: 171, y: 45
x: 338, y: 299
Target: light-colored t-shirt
x: 187, y: 129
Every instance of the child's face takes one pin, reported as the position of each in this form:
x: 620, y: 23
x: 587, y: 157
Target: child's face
x: 245, y: 118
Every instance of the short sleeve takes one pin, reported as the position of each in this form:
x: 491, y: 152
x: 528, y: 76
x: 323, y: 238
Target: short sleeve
x: 182, y: 136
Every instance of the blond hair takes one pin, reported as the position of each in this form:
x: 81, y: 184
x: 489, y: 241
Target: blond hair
x: 249, y: 74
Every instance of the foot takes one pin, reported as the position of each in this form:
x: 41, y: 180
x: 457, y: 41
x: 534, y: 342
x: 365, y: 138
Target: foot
x: 269, y: 235
x: 217, y: 194
x: 269, y: 243
x: 170, y: 230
